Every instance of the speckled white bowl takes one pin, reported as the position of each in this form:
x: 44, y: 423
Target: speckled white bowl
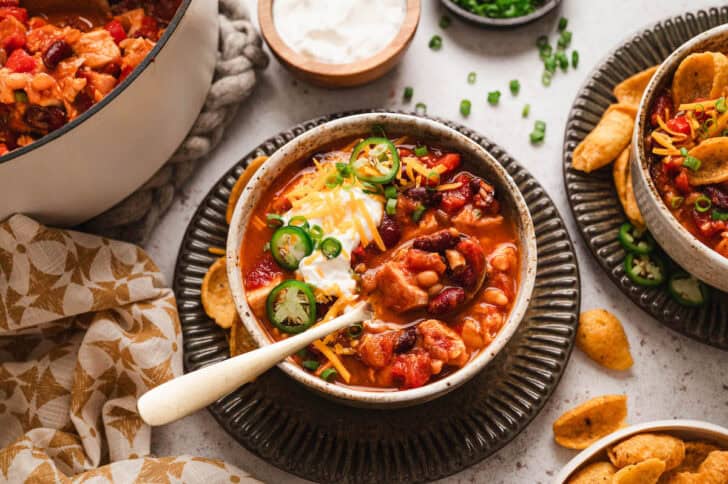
x: 684, y: 429
x: 477, y: 160
x: 694, y: 256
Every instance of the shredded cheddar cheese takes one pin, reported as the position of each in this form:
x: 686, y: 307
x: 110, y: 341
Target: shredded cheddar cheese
x: 331, y: 356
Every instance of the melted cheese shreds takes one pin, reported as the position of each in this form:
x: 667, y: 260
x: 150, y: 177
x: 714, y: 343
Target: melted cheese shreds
x: 331, y: 356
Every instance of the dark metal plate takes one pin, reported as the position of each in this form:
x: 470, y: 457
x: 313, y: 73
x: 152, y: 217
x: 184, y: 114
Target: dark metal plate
x: 302, y: 433
x: 593, y: 198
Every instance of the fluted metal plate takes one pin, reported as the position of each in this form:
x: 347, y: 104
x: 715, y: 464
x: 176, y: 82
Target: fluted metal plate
x: 302, y: 433
x: 593, y: 198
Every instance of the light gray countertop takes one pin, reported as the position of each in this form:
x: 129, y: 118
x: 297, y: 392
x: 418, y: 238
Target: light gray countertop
x: 673, y: 376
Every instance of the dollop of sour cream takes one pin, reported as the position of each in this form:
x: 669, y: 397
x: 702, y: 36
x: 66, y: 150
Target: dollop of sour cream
x: 334, y: 277
x: 338, y: 31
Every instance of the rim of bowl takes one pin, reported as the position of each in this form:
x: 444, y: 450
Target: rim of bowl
x: 666, y: 70
x: 311, y: 66
x: 666, y: 426
x: 437, y: 388
x: 544, y: 9
x: 168, y: 32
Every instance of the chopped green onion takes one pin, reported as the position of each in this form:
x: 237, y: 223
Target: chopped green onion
x: 299, y: 221
x: 545, y: 52
x: 391, y: 206
x: 433, y: 177
x: 370, y: 187
x: 390, y: 191
x: 408, y: 93
x: 421, y: 109
x: 355, y: 330
x: 445, y: 22
x: 562, y: 60
x: 418, y: 212
x: 564, y: 39
x: 720, y: 105
x: 334, y: 180
x: 343, y: 168
x: 539, y: 126
x: 328, y: 374
x: 316, y: 233
x: 718, y: 215
x: 546, y: 78
x: 575, y: 59
x: 542, y: 41
x: 539, y: 132
x: 472, y: 77
x: 302, y: 353
x: 421, y: 151
x: 550, y: 64
x: 702, y: 204
x: 676, y: 201
x: 465, y: 106
x: 435, y: 42
x: 526, y: 111
x: 311, y: 365
x: 494, y: 97
x: 515, y: 87
x: 21, y: 96
x: 563, y: 22
x: 330, y: 247
x: 690, y: 161
x: 274, y: 220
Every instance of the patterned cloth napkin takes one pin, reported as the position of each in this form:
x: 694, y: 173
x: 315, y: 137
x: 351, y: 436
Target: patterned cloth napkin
x: 86, y: 326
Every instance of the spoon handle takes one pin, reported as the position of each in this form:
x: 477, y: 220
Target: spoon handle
x: 188, y: 393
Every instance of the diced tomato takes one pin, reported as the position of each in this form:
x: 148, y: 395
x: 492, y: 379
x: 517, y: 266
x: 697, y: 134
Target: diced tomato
x: 14, y: 41
x: 148, y: 29
x: 116, y: 29
x: 451, y: 161
x: 20, y: 61
x: 3, y: 149
x: 671, y: 165
x: 454, y: 200
x: 682, y: 183
x: 125, y: 72
x: 706, y: 226
x: 19, y: 13
x: 9, y: 3
x: 404, y: 152
x: 264, y: 271
x: 679, y: 125
x: 412, y: 370
x: 36, y: 23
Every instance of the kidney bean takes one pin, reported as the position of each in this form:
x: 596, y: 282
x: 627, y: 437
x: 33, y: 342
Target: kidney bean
x: 718, y: 196
x: 389, y: 231
x: 83, y: 101
x: 45, y: 119
x: 406, y: 340
x: 449, y: 299
x: 421, y: 194
x: 55, y: 53
x: 469, y: 274
x: 437, y: 242
x: 663, y: 104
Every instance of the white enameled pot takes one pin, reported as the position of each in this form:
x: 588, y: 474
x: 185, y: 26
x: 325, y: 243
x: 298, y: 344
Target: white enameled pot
x: 99, y: 158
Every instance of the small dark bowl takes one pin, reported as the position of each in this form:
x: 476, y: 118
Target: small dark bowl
x: 504, y: 23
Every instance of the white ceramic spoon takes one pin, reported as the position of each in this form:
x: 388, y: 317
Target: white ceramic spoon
x: 188, y: 393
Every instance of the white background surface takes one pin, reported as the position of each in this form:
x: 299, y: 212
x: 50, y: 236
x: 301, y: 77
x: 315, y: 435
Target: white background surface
x: 672, y: 376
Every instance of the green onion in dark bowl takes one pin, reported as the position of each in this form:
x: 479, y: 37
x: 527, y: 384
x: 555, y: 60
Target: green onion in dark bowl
x: 500, y: 13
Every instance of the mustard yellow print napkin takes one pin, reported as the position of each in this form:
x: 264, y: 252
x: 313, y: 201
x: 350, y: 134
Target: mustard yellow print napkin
x: 86, y: 327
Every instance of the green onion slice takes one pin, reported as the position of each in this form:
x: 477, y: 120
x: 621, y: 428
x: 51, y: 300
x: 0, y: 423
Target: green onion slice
x: 328, y: 374
x: 526, y: 111
x: 472, y: 77
x: 718, y: 215
x: 445, y: 22
x: 421, y: 151
x: 408, y: 93
x: 465, y: 106
x: 702, y: 204
x: 435, y: 42
x: 418, y: 212
x: 274, y: 220
x: 421, y: 108
x: 311, y: 365
x: 515, y: 87
x: 494, y: 97
x: 391, y: 206
x: 575, y: 59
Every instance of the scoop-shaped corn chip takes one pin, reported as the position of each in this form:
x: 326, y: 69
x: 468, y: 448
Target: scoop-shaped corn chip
x: 713, y: 470
x: 601, y: 336
x: 630, y: 90
x: 638, y: 448
x: 217, y: 299
x: 582, y: 426
x: 695, y: 453
x: 713, y: 156
x: 240, y: 340
x: 241, y: 182
x: 607, y: 140
x: 645, y: 472
x: 623, y: 183
x: 701, y: 75
x: 596, y: 473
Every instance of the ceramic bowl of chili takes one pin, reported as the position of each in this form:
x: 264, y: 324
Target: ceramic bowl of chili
x: 246, y: 235
x: 671, y: 206
x: 499, y: 13
x: 92, y: 103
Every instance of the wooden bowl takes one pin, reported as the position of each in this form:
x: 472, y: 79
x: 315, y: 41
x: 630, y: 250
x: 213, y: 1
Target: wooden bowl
x: 339, y: 75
